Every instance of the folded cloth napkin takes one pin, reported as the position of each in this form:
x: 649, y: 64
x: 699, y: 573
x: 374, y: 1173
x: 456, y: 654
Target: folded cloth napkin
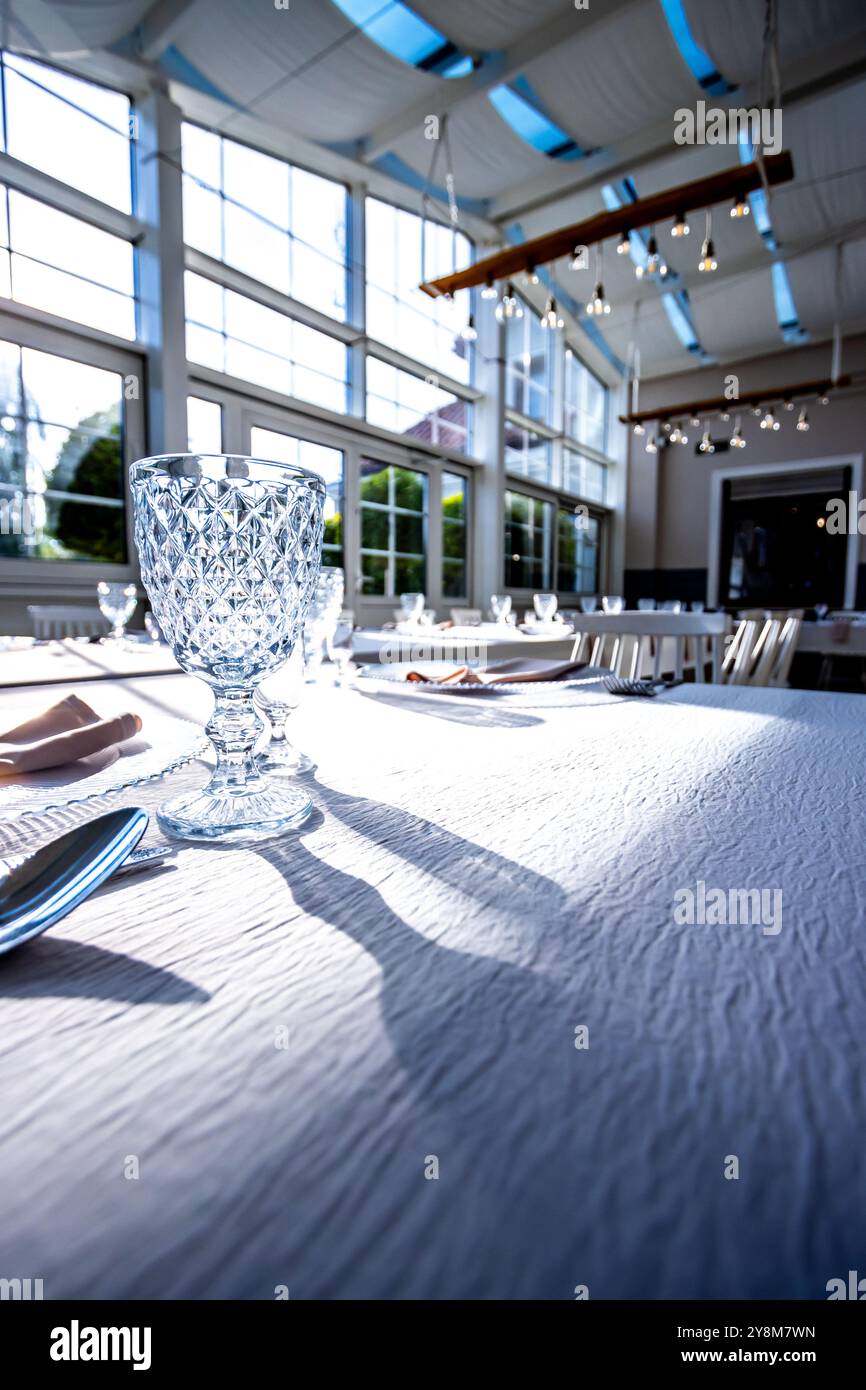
x: 519, y: 669
x: 62, y: 734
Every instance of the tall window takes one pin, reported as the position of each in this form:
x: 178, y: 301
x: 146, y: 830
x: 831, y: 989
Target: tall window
x: 455, y: 549
x: 204, y: 426
x: 584, y: 476
x: 402, y: 250
x: 407, y: 404
x: 393, y: 529
x: 529, y: 367
x: 528, y: 542
x: 61, y: 455
x: 234, y: 334
x: 80, y: 134
x: 526, y: 452
x: 317, y: 458
x: 74, y: 130
x: 274, y: 221
x: 585, y: 404
x: 577, y: 568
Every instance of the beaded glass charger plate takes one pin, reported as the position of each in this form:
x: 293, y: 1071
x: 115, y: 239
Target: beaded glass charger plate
x: 391, y: 677
x: 167, y: 743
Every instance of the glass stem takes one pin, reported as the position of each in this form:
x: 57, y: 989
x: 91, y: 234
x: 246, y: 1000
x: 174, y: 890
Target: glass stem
x: 233, y: 729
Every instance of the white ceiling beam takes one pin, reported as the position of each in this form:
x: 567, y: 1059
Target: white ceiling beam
x: 828, y: 69
x: 499, y: 67
x: 160, y: 26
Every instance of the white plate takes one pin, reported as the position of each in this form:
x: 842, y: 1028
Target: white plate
x: 390, y: 678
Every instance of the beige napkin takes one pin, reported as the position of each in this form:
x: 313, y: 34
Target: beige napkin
x: 62, y: 734
x: 504, y: 673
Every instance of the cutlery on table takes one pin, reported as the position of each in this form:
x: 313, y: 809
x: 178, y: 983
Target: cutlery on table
x: 49, y: 883
x: 617, y: 685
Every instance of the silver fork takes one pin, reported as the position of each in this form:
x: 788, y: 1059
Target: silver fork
x: 617, y: 685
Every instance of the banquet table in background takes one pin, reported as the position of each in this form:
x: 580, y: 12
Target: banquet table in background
x: 25, y: 662
x: 486, y: 641
x: 346, y: 1062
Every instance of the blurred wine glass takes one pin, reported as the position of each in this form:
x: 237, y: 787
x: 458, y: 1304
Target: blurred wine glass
x: 117, y: 603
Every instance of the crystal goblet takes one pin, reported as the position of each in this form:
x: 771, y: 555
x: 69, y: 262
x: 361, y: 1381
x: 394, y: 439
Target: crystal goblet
x: 229, y: 550
x: 117, y: 603
x: 500, y: 606
x: 545, y: 607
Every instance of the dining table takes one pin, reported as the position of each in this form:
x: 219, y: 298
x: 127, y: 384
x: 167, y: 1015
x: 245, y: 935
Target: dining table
x: 452, y: 1037
x: 472, y: 643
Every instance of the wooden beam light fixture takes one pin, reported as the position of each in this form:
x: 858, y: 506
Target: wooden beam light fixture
x: 728, y: 185
x: 721, y: 405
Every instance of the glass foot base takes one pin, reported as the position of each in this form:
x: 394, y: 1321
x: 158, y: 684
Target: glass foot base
x: 261, y: 811
x: 284, y: 761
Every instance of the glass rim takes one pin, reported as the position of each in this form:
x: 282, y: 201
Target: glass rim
x: 156, y: 465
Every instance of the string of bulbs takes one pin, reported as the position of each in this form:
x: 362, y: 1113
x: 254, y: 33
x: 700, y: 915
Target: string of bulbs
x: 675, y: 432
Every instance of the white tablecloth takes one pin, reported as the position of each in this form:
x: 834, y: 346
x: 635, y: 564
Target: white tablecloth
x: 487, y: 642
x: 479, y: 881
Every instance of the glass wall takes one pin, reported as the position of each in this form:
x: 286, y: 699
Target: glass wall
x: 455, y: 536
x: 61, y: 459
x: 528, y: 542
x: 318, y: 458
x: 277, y: 223
x: 578, y: 547
x: 394, y: 507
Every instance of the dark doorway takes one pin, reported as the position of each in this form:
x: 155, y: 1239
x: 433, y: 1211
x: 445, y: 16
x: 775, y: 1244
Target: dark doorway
x: 776, y: 551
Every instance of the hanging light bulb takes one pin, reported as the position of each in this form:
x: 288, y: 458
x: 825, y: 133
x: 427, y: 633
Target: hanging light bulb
x: 737, y: 440
x: 706, y: 445
x: 740, y: 208
x: 639, y: 429
x: 681, y: 226
x: 725, y: 415
x: 769, y: 421
x: 655, y: 266
x: 530, y: 278
x: 666, y: 427
x: 803, y: 419
x: 675, y: 435
x: 598, y: 304
x: 470, y: 332
x: 708, y: 261
x: 757, y: 410
x: 651, y: 446
x: 684, y: 439
x: 550, y: 318
x: 695, y: 420
x: 489, y: 291
x: 623, y: 246
x: 789, y: 404
x: 824, y: 400
x: 509, y: 306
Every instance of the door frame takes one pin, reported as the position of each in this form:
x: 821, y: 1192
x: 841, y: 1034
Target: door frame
x: 720, y: 476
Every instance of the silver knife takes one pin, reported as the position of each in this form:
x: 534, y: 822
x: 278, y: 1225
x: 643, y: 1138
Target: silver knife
x: 53, y: 880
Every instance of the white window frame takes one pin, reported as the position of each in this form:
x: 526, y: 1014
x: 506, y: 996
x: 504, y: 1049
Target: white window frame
x: 78, y: 577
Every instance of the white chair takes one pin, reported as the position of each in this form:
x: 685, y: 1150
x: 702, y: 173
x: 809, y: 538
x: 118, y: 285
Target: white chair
x: 466, y: 617
x: 58, y: 620
x: 635, y: 644
x: 762, y: 649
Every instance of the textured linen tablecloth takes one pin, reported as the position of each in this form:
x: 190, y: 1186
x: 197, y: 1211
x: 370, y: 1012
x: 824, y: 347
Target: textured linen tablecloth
x: 285, y: 1044
x: 71, y: 660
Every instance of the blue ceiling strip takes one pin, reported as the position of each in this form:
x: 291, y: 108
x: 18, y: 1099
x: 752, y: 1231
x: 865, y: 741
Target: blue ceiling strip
x: 699, y: 63
x: 783, y: 296
x: 405, y: 35
x: 531, y: 124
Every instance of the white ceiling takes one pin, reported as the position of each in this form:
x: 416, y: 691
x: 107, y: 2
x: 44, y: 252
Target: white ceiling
x: 611, y: 76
